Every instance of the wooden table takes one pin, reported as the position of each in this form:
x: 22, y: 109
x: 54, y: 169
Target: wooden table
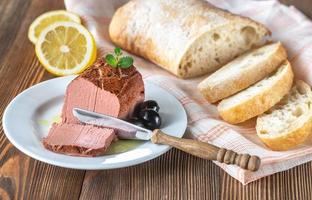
x: 174, y: 175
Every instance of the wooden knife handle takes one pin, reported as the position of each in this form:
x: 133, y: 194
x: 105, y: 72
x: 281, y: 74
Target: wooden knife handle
x: 207, y: 151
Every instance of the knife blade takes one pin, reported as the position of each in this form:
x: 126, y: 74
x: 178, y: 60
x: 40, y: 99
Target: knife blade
x: 125, y: 130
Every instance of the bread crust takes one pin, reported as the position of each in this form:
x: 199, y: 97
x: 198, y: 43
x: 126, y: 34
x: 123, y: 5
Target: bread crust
x: 243, y: 78
x: 259, y: 103
x: 162, y: 31
x: 290, y: 139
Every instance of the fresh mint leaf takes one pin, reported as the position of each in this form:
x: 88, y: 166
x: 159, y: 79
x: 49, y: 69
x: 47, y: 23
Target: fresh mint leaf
x: 117, y: 60
x: 125, y: 62
x: 111, y: 60
x: 118, y: 51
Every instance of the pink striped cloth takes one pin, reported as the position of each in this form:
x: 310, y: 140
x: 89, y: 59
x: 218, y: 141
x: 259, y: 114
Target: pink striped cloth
x: 287, y: 24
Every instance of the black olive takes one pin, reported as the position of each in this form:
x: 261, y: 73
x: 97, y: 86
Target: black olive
x: 150, y: 104
x: 150, y: 119
x: 136, y: 121
x: 137, y: 110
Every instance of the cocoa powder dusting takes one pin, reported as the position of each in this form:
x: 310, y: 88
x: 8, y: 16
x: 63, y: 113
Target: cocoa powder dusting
x: 107, y: 77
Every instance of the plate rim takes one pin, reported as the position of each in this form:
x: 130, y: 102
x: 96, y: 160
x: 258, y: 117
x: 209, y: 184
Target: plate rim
x: 68, y: 164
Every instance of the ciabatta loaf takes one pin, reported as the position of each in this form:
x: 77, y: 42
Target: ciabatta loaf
x: 288, y: 123
x: 258, y: 98
x: 186, y: 37
x: 242, y: 72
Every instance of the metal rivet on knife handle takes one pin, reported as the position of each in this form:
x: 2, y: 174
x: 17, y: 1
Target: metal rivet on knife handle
x: 207, y: 151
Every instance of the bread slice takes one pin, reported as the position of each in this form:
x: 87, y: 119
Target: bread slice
x: 242, y: 72
x: 186, y: 37
x: 289, y: 123
x: 259, y: 97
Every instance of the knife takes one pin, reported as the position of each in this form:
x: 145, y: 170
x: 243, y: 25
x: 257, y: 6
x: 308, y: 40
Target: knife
x: 126, y: 130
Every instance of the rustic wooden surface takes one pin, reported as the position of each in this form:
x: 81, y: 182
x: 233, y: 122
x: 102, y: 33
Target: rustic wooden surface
x: 304, y: 5
x: 174, y: 175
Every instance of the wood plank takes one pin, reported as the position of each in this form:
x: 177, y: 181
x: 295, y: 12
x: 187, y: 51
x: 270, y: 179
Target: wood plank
x: 291, y: 184
x: 20, y: 176
x: 10, y: 22
x: 304, y: 5
x: 175, y: 175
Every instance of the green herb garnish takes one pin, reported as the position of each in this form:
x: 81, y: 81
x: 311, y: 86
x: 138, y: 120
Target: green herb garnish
x: 117, y: 60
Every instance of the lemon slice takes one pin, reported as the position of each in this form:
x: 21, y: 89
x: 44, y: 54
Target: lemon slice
x: 48, y: 18
x: 65, y: 48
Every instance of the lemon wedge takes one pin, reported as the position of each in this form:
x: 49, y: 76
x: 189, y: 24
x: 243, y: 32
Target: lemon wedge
x: 48, y: 18
x: 65, y: 48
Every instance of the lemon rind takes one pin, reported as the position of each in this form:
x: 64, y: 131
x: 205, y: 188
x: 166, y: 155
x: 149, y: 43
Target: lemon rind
x: 87, y: 61
x: 31, y: 35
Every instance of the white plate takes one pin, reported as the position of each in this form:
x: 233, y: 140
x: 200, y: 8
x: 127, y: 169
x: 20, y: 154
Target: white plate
x: 23, y: 125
